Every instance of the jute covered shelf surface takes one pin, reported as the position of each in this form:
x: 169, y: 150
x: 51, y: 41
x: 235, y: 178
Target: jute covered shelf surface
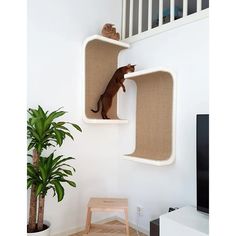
x: 100, y: 64
x: 154, y: 116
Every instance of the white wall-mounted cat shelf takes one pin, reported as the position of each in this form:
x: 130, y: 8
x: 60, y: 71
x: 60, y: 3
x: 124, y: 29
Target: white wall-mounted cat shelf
x: 155, y: 116
x: 155, y: 105
x: 100, y: 63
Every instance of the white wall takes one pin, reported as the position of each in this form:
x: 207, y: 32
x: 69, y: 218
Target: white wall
x: 56, y: 31
x: 185, y: 51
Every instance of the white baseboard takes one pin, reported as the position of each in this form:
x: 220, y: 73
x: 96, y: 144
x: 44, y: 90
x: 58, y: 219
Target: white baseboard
x: 79, y: 229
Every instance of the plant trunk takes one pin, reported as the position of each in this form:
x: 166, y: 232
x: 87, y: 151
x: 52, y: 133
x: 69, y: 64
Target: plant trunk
x: 41, y: 212
x: 33, y: 198
x: 33, y: 207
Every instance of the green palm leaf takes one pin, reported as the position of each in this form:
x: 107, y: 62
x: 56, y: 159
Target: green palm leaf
x: 29, y: 182
x: 39, y: 189
x: 68, y: 172
x: 76, y: 126
x: 53, y: 116
x: 59, y: 190
x: 73, y: 184
x: 31, y: 171
x: 41, y: 112
x: 58, y: 137
x: 61, y: 161
x: 43, y: 173
x: 31, y: 145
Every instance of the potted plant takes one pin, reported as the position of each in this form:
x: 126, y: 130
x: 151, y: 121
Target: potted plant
x: 46, y: 173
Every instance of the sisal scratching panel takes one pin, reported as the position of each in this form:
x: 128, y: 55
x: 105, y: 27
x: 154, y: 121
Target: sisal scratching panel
x: 154, y: 116
x: 100, y: 65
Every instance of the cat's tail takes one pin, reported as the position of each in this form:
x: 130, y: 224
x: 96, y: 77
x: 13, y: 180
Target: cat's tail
x: 98, y: 105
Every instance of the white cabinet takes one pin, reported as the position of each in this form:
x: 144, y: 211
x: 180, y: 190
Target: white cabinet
x: 186, y: 221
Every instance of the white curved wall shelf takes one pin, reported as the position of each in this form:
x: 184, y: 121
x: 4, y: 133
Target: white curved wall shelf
x: 155, y: 113
x: 100, y: 62
x: 155, y: 117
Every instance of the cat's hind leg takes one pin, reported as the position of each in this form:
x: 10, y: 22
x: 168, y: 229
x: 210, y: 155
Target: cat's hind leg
x: 106, y: 105
x: 98, y: 105
x: 104, y: 115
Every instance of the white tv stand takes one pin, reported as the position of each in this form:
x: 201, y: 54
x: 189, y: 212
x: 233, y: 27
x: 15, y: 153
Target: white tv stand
x: 186, y: 221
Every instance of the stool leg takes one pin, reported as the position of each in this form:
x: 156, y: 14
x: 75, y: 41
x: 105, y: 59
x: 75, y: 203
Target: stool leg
x: 126, y: 222
x: 88, y: 221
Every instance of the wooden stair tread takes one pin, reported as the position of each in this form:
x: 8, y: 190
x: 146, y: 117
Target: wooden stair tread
x: 104, y: 204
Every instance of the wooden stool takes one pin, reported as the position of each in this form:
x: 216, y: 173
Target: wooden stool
x: 107, y: 204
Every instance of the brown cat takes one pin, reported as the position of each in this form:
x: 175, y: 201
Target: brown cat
x: 112, y: 88
x: 109, y: 31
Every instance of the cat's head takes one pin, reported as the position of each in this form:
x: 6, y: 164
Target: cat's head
x: 130, y: 68
x: 108, y: 26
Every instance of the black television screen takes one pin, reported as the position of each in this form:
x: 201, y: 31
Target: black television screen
x: 203, y: 163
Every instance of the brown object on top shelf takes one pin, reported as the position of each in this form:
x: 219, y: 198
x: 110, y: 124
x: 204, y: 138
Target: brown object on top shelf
x: 109, y: 31
x: 154, y: 117
x: 107, y: 205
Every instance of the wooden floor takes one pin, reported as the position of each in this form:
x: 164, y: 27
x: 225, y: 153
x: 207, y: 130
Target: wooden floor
x: 115, y: 222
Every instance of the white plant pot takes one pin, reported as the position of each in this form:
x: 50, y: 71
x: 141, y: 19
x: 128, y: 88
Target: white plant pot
x: 45, y: 232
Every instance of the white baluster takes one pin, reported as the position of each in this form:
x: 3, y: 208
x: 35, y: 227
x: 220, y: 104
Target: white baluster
x: 172, y: 10
x: 160, y: 12
x: 124, y: 19
x: 131, y: 10
x: 140, y: 16
x: 199, y: 5
x: 185, y: 8
x: 149, y: 14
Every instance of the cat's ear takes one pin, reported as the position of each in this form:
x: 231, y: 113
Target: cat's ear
x: 129, y: 65
x: 133, y: 65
